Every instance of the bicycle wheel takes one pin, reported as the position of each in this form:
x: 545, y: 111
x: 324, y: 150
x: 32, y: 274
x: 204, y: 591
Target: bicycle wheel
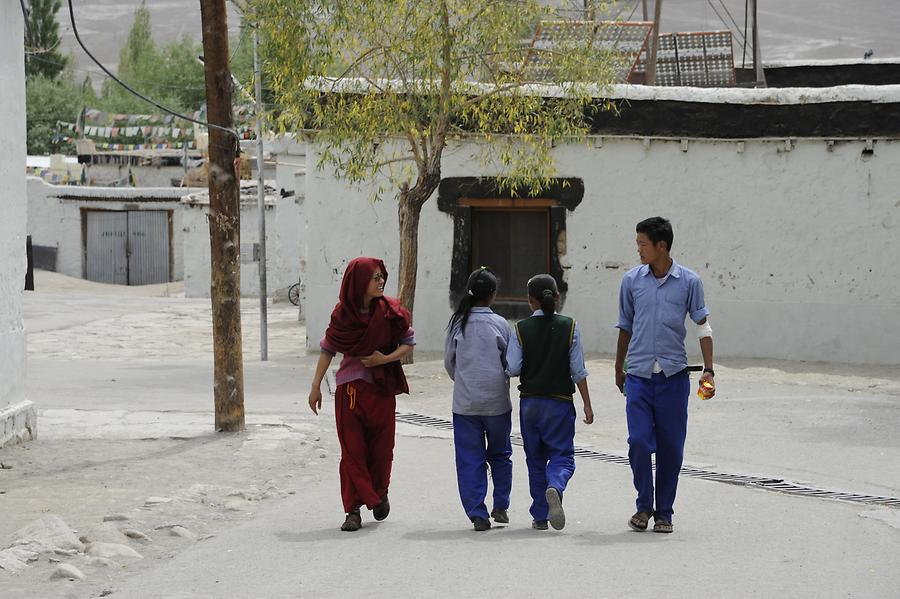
x: 294, y: 294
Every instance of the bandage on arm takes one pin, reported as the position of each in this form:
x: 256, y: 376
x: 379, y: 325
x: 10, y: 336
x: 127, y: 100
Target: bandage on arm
x: 704, y: 330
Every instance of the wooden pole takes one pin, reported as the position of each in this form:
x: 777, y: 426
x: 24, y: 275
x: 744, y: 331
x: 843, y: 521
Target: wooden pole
x: 224, y: 222
x: 650, y: 78
x: 757, y: 53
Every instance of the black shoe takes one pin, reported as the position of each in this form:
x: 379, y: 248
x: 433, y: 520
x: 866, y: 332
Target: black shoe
x: 500, y: 516
x: 539, y: 524
x: 381, y: 511
x: 557, y: 515
x: 352, y: 523
x: 481, y: 524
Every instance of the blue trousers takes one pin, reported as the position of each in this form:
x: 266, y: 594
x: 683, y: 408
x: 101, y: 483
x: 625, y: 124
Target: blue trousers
x: 548, y: 433
x: 473, y: 457
x: 656, y: 410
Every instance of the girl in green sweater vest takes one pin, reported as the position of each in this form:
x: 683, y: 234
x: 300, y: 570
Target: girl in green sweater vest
x: 546, y: 354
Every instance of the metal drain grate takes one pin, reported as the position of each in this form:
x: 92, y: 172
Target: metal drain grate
x: 770, y: 484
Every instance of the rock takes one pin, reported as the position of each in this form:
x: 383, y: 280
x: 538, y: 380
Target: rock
x: 235, y: 505
x: 67, y: 571
x: 10, y: 563
x: 180, y: 531
x: 151, y: 501
x: 115, y: 518
x: 102, y: 562
x: 104, y: 533
x: 23, y: 554
x: 135, y: 534
x: 112, y: 550
x: 66, y: 552
x: 47, y: 535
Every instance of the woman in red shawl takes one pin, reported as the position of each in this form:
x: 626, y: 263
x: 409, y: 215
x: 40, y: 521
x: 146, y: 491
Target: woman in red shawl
x: 373, y: 333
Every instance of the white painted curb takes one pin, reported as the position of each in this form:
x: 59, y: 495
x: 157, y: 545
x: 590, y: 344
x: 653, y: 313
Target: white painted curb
x: 18, y: 423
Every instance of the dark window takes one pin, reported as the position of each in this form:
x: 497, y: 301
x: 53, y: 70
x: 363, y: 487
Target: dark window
x: 514, y: 234
x: 514, y: 244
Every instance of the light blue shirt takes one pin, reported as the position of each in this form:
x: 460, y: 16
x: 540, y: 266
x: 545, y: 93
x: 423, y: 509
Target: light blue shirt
x: 476, y: 362
x: 576, y: 356
x: 653, y: 311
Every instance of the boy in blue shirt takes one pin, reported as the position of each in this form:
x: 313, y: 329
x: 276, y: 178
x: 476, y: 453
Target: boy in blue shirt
x: 653, y: 301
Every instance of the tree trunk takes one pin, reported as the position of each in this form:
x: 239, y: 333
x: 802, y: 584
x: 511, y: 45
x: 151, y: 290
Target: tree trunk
x: 409, y: 211
x: 224, y: 223
x: 409, y: 208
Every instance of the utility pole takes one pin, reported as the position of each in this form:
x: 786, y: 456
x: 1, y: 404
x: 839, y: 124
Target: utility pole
x: 650, y: 76
x: 261, y: 193
x: 757, y: 53
x: 224, y: 222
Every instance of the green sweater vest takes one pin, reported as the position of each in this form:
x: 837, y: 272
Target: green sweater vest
x: 545, y: 345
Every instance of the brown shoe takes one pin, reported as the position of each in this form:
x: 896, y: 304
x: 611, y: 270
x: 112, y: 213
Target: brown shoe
x: 660, y: 525
x: 381, y: 511
x: 352, y: 522
x: 639, y: 521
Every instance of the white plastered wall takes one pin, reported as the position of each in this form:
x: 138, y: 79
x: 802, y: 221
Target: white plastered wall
x: 56, y: 221
x: 283, y: 239
x: 12, y: 222
x: 793, y: 241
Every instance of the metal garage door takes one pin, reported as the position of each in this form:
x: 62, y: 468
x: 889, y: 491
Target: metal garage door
x: 127, y: 248
x: 148, y: 247
x: 106, y: 251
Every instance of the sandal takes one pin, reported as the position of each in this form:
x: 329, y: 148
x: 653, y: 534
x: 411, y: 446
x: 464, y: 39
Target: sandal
x: 352, y: 523
x: 639, y: 521
x: 660, y: 525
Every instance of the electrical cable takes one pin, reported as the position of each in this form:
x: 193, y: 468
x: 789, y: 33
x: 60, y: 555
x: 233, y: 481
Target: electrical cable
x: 136, y: 93
x: 746, y: 18
x: 728, y: 12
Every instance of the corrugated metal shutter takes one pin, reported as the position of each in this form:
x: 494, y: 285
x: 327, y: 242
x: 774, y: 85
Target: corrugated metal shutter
x: 106, y: 240
x: 148, y: 236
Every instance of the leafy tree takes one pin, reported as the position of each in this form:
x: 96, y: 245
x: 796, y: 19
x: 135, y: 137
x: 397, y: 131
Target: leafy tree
x: 43, y: 57
x: 171, y: 75
x: 386, y: 84
x: 46, y: 102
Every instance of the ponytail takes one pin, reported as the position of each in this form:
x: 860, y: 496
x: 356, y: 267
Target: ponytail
x: 548, y: 302
x: 542, y: 288
x: 481, y: 285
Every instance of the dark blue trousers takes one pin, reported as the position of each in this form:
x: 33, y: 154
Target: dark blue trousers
x: 473, y: 457
x: 656, y: 410
x: 548, y: 433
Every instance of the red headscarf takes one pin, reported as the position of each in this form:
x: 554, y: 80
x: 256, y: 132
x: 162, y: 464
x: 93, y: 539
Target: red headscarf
x: 359, y: 334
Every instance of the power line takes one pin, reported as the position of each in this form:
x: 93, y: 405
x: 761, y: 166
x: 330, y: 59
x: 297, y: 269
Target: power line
x: 133, y: 91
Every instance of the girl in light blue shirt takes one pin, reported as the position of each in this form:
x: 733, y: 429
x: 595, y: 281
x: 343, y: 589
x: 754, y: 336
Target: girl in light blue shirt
x: 475, y: 359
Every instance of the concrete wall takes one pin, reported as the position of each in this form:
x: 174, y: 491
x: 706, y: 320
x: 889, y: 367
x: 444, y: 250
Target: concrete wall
x: 12, y: 222
x: 54, y: 217
x: 792, y: 239
x: 283, y: 245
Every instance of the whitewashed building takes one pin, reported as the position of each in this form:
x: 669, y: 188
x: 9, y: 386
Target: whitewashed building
x: 120, y: 235
x: 284, y: 236
x: 783, y: 200
x: 16, y: 413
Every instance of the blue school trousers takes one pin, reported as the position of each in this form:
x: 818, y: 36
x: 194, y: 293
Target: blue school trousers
x: 548, y: 433
x: 657, y: 414
x: 473, y: 456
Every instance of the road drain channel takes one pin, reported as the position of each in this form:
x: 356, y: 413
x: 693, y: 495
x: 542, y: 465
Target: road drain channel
x: 770, y: 484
